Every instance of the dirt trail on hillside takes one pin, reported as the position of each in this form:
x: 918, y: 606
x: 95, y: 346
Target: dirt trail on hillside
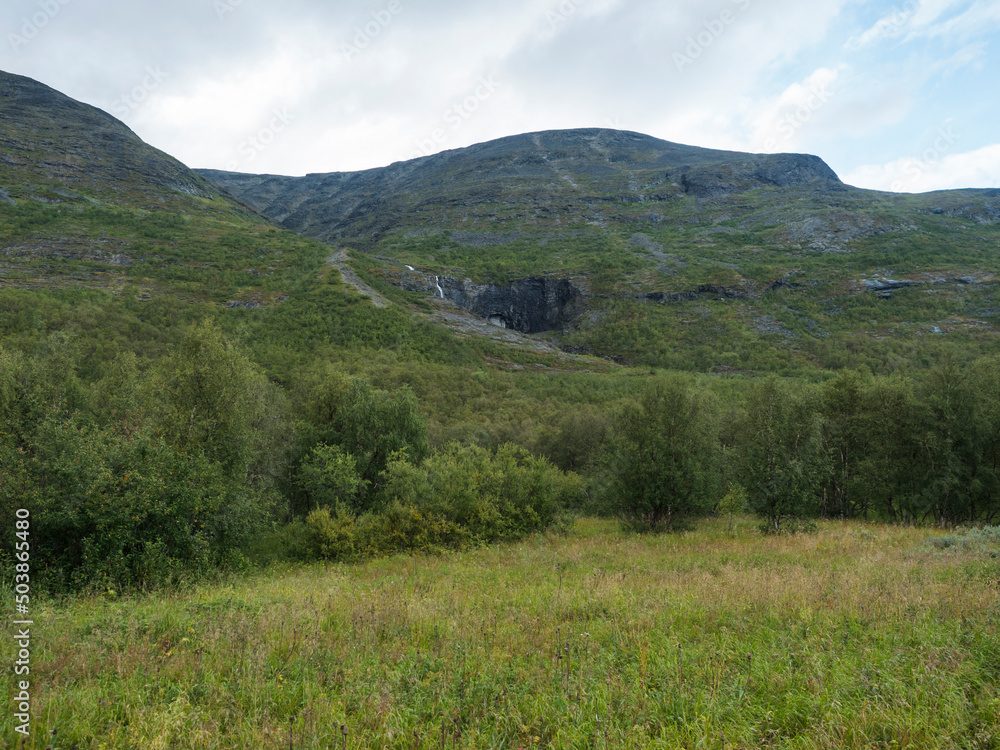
x: 339, y: 261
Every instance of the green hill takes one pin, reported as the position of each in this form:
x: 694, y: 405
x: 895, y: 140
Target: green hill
x: 676, y: 256
x: 202, y: 374
x: 449, y: 351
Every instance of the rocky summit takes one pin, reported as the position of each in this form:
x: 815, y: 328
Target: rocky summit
x: 548, y: 175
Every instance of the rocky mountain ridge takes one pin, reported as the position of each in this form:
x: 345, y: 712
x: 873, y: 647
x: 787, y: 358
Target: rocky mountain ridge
x: 546, y: 173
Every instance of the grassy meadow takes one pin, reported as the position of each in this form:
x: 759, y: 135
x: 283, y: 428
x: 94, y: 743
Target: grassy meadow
x: 855, y: 636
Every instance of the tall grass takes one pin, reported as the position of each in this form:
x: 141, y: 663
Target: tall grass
x: 855, y: 636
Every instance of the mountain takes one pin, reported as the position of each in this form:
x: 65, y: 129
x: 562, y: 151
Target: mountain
x: 648, y: 251
x: 85, y: 203
x: 559, y: 177
x: 547, y: 174
x: 50, y: 142
x: 619, y: 244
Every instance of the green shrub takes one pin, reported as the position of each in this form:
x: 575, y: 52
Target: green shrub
x: 120, y: 508
x: 329, y: 476
x: 331, y: 536
x: 407, y: 528
x: 367, y: 424
x: 780, y: 455
x: 502, y: 495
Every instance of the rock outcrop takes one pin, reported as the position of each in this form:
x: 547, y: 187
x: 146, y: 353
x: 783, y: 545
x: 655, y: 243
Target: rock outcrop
x: 531, y: 305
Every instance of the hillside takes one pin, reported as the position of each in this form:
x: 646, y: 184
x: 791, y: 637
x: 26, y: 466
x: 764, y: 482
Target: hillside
x: 557, y: 180
x: 599, y: 242
x: 86, y: 204
x: 53, y: 145
x: 656, y: 253
x: 552, y: 178
x: 191, y: 392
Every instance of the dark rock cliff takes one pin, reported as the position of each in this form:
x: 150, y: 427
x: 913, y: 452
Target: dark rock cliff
x: 530, y: 305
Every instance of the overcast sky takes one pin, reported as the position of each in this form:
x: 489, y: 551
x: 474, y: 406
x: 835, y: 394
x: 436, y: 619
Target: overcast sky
x: 893, y: 95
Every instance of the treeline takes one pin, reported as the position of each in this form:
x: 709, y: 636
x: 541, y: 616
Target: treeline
x: 174, y: 466
x: 185, y: 457
x: 858, y: 446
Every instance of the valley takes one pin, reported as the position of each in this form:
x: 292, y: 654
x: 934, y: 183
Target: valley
x: 578, y: 438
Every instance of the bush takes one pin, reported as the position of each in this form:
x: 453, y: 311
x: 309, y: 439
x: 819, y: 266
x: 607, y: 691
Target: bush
x: 505, y: 495
x: 208, y: 398
x: 459, y: 498
x: 121, y: 509
x: 406, y: 528
x: 983, y: 540
x: 331, y: 536
x: 329, y: 477
x: 780, y: 455
x: 732, y: 504
x: 368, y: 424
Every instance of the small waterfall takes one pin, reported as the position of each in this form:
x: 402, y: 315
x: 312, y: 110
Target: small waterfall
x: 440, y: 290
x: 411, y: 268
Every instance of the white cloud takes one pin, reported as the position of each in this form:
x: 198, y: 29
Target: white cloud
x: 757, y: 74
x: 909, y: 18
x: 932, y: 169
x: 777, y: 122
x: 917, y: 19
x: 701, y: 74
x: 982, y: 18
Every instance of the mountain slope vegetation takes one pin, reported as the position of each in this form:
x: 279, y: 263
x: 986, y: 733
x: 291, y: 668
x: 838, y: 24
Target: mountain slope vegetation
x: 686, y: 258
x: 187, y: 384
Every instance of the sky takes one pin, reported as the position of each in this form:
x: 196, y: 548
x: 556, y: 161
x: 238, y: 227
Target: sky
x: 899, y: 96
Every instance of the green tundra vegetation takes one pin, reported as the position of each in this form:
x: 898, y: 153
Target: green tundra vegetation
x: 266, y: 512
x: 159, y: 431
x: 854, y: 636
x: 156, y: 441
